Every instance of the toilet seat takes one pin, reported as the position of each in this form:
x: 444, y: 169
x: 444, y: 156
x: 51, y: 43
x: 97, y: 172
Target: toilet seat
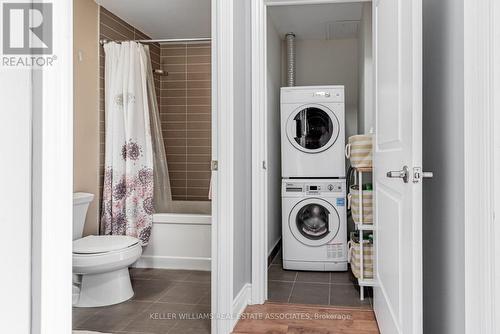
x: 94, y: 244
x: 99, y: 254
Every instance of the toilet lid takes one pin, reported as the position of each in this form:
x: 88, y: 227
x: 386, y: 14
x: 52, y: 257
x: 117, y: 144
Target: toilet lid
x: 93, y: 244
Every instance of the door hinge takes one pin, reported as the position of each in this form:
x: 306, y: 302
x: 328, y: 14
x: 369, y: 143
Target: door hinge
x: 418, y: 175
x: 264, y: 165
x: 214, y: 165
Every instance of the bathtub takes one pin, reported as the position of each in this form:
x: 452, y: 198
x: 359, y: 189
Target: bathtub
x: 180, y: 239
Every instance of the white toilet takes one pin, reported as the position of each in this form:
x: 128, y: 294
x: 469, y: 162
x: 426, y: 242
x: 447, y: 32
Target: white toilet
x: 100, y: 263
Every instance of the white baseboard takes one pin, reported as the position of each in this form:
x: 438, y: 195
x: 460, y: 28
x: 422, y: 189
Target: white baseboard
x: 172, y: 262
x: 240, y: 302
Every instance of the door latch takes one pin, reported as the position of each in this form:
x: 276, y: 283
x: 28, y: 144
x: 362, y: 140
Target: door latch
x: 418, y: 175
x: 401, y: 174
x: 214, y: 165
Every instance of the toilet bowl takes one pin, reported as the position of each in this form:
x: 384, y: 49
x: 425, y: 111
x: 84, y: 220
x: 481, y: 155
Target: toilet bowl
x: 100, y: 263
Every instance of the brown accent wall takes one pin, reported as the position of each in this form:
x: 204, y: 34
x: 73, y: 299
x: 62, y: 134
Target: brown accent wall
x: 184, y: 97
x: 185, y: 111
x: 85, y: 107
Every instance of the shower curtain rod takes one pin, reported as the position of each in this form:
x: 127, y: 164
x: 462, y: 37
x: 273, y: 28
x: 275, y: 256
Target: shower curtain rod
x: 201, y: 39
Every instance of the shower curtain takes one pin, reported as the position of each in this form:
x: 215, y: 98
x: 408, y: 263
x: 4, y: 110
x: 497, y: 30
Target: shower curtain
x: 132, y: 150
x: 162, y: 192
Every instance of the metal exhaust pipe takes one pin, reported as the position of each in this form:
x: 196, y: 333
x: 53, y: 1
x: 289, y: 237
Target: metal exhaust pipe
x: 290, y: 59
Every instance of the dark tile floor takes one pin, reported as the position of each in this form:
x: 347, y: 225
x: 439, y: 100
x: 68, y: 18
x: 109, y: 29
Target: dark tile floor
x: 162, y: 301
x: 313, y: 287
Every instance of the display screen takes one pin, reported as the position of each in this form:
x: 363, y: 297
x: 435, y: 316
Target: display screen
x: 313, y: 188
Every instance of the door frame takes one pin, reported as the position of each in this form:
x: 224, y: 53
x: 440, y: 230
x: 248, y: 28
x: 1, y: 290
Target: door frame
x: 53, y: 177
x: 222, y: 177
x: 259, y: 139
x: 481, y: 47
x: 481, y: 128
x: 52, y: 182
x: 495, y: 105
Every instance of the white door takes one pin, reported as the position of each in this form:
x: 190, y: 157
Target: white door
x: 398, y: 143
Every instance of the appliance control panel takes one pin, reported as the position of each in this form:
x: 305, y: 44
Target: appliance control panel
x: 314, y: 187
x: 312, y: 94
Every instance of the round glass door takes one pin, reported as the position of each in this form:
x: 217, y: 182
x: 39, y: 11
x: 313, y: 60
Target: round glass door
x: 313, y: 128
x: 314, y: 222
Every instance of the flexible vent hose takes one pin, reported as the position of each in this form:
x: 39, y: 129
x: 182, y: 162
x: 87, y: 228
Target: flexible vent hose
x: 290, y: 59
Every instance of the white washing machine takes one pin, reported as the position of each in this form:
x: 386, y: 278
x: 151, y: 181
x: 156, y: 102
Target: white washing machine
x: 312, y: 131
x: 314, y: 224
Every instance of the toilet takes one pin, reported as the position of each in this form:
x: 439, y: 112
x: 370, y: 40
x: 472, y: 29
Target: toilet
x: 100, y: 262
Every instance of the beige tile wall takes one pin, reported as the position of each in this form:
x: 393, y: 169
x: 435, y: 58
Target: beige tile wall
x: 185, y: 111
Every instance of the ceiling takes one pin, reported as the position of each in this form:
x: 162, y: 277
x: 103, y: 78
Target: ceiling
x: 164, y: 18
x: 323, y: 21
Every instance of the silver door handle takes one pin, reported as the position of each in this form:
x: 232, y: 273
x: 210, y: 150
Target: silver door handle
x: 401, y: 174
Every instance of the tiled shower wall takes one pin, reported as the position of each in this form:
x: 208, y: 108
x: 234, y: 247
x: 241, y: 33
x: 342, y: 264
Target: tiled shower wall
x: 184, y: 97
x: 112, y: 28
x: 185, y: 111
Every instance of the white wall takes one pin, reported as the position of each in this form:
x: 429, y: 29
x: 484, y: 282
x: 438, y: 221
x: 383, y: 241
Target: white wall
x: 242, y: 146
x: 365, y: 56
x: 496, y: 165
x: 15, y: 200
x: 443, y: 206
x: 330, y: 62
x: 274, y: 59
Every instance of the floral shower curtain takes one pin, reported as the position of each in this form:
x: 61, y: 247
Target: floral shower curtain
x: 128, y: 191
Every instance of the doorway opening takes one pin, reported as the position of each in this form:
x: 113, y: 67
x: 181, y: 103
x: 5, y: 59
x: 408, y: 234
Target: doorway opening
x: 385, y: 248
x: 143, y: 131
x: 310, y: 225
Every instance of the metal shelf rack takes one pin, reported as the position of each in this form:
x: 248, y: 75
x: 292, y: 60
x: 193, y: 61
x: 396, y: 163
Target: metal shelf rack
x: 361, y: 227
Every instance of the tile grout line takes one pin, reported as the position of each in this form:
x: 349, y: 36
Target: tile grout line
x: 173, y: 327
x: 310, y: 282
x: 86, y: 318
x: 329, y: 294
x: 329, y: 288
x: 186, y: 115
x: 136, y: 315
x: 293, y: 287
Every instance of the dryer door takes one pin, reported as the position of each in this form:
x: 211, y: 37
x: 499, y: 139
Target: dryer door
x: 314, y: 222
x: 312, y: 128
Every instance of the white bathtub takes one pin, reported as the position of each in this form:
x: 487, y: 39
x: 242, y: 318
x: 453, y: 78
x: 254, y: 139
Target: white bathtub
x: 180, y: 239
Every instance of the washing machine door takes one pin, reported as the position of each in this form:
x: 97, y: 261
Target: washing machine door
x: 312, y: 128
x: 314, y: 222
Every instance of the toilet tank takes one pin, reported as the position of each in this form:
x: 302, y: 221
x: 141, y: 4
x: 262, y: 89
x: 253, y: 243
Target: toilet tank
x: 81, y: 202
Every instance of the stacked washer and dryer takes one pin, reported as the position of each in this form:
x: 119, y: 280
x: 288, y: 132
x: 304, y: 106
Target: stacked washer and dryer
x: 314, y: 223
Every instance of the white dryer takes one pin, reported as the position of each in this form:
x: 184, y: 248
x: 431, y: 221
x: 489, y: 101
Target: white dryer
x: 314, y: 224
x: 312, y: 131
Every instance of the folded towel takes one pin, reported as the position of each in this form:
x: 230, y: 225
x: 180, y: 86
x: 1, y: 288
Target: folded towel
x: 210, y: 189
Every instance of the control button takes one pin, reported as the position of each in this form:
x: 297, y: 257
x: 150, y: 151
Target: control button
x: 330, y: 187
